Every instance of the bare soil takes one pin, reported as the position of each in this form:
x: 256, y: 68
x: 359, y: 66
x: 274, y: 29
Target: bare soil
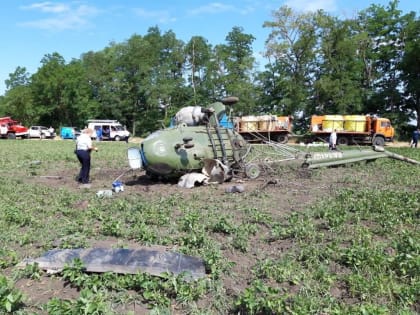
x: 289, y: 191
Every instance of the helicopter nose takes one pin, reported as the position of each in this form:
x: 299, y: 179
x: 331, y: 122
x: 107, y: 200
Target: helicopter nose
x: 160, y: 148
x: 154, y: 157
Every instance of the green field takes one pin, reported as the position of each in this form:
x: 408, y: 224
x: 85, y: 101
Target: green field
x: 336, y: 241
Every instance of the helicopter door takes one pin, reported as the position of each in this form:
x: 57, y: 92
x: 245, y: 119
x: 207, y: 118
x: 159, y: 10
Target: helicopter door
x: 134, y: 159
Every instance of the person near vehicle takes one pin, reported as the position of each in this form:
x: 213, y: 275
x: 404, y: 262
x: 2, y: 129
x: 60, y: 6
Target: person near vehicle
x: 106, y: 132
x: 51, y: 130
x: 415, y: 138
x: 83, y: 149
x: 333, y: 140
x: 99, y: 133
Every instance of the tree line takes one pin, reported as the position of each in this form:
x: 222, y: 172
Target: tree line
x: 316, y: 64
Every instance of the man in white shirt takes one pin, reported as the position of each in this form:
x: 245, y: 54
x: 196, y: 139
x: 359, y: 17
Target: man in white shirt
x: 333, y: 140
x: 83, y: 148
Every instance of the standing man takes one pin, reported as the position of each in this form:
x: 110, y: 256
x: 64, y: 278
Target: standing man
x: 99, y: 133
x: 83, y: 149
x: 415, y: 140
x: 333, y: 140
x: 51, y: 130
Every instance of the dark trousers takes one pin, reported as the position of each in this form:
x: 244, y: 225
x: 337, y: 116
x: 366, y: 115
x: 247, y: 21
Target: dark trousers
x: 84, y: 159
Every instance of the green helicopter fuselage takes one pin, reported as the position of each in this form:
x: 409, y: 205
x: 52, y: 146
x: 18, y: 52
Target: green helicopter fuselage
x: 175, y: 151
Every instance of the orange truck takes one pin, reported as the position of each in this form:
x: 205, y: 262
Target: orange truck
x: 264, y: 128
x: 352, y: 129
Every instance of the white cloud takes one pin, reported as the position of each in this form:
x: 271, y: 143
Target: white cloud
x: 312, y: 5
x: 61, y: 16
x: 57, y: 24
x: 162, y: 16
x: 211, y: 8
x: 217, y: 7
x: 47, y: 7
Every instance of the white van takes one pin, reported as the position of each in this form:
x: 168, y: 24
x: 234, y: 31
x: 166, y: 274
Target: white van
x: 108, y: 130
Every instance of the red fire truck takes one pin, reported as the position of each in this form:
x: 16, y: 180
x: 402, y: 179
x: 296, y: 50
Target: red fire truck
x: 11, y: 129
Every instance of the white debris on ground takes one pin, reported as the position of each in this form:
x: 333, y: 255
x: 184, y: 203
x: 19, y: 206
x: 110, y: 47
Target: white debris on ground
x: 191, y: 179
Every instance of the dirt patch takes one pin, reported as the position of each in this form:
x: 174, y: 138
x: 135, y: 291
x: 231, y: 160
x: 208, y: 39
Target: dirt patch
x: 280, y: 194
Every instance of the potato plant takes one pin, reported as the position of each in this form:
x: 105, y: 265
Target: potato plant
x: 332, y: 241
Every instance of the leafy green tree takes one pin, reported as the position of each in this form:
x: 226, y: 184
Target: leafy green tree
x: 105, y: 78
x: 317, y: 64
x: 198, y: 55
x: 410, y: 67
x: 168, y: 88
x: 18, y: 78
x: 61, y: 93
x: 384, y: 26
x: 18, y: 104
x: 238, y: 62
x: 291, y: 51
x: 77, y: 96
x: 151, y: 70
x: 48, y: 86
x: 339, y: 80
x: 134, y: 67
x: 18, y: 101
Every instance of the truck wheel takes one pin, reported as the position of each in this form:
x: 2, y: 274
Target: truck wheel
x: 11, y: 136
x: 43, y: 136
x: 378, y: 141
x: 342, y: 141
x: 117, y: 138
x: 282, y: 139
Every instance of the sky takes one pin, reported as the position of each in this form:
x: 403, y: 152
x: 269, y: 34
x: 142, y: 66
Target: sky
x: 30, y: 30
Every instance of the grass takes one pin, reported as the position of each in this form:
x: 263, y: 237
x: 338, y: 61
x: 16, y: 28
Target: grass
x: 355, y: 251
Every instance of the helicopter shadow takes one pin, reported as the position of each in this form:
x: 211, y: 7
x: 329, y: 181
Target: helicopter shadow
x: 146, y: 180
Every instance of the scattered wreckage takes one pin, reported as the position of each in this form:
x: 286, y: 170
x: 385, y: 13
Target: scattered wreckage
x: 153, y: 260
x: 199, y: 149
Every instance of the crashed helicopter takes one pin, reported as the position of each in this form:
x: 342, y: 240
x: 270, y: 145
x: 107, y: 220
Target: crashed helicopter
x: 198, y: 142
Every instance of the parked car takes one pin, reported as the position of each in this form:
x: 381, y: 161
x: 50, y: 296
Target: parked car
x: 40, y: 132
x: 69, y: 132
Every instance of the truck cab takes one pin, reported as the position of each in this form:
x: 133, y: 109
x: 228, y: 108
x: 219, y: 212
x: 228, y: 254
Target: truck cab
x: 382, y: 127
